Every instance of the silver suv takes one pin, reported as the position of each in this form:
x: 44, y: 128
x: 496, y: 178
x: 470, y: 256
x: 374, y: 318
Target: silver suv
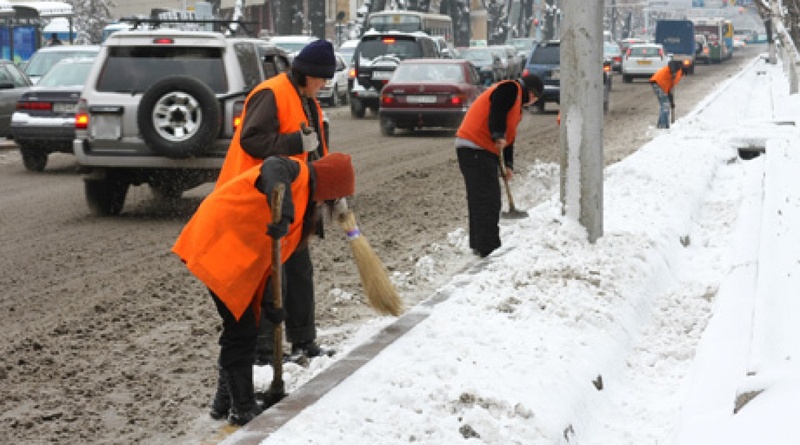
x: 160, y: 107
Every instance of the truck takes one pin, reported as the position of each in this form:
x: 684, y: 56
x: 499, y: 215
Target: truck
x: 678, y: 39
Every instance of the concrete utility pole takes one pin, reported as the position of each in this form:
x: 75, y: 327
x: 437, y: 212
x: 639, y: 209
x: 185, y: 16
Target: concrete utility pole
x: 581, y: 132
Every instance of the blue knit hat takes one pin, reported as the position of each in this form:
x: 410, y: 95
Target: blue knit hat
x: 316, y: 60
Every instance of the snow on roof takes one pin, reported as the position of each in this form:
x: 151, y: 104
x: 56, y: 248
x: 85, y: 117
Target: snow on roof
x: 42, y: 9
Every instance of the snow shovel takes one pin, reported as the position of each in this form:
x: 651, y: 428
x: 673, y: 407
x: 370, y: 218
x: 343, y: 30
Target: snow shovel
x: 276, y: 390
x: 512, y: 212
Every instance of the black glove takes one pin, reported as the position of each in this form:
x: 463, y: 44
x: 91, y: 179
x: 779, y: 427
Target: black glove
x: 273, y: 315
x: 278, y: 230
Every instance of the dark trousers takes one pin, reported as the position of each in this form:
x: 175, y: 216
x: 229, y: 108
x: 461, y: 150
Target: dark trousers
x: 298, y: 301
x: 238, y: 338
x: 480, y: 169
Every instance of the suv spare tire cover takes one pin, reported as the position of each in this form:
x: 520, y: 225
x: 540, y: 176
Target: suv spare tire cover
x: 179, y: 117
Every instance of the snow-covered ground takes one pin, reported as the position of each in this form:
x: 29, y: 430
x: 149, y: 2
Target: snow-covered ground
x: 677, y: 326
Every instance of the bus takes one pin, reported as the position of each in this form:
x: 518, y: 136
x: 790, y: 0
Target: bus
x: 716, y: 31
x: 435, y: 25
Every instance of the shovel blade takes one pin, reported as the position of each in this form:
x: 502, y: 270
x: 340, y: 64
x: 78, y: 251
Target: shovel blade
x: 514, y: 214
x: 273, y: 395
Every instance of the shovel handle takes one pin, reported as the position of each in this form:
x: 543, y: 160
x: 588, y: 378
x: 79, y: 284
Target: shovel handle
x: 277, y: 346
x: 511, y: 207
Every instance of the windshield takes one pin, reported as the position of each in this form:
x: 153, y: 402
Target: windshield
x: 290, y: 46
x: 369, y: 50
x: 66, y: 74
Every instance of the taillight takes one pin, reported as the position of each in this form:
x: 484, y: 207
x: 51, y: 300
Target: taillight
x: 457, y: 100
x: 238, y: 107
x: 687, y: 63
x: 661, y: 53
x: 81, y: 115
x: 38, y: 106
x: 387, y: 99
x: 352, y: 73
x: 525, y: 72
x: 607, y: 68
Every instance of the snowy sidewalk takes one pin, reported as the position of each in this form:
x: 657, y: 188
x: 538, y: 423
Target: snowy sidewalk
x: 647, y: 336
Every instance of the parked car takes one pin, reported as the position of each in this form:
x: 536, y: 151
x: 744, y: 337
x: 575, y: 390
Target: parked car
x: 335, y: 90
x: 13, y: 84
x: 545, y: 62
x: 427, y: 93
x: 47, y: 56
x: 613, y: 54
x: 374, y: 61
x: 159, y: 108
x: 643, y: 60
x: 292, y: 44
x: 487, y: 62
x: 44, y: 121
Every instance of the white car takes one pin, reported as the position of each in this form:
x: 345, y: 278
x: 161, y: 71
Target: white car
x: 335, y: 90
x: 643, y: 60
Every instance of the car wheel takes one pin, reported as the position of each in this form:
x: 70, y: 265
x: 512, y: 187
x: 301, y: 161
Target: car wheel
x: 179, y: 117
x: 356, y: 109
x: 387, y: 127
x: 334, y: 100
x: 34, y: 159
x: 106, y: 195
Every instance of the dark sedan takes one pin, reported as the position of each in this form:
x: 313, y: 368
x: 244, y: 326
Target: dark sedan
x: 44, y: 121
x: 428, y: 93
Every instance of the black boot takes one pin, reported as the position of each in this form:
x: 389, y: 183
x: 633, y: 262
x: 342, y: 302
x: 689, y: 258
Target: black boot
x: 310, y: 349
x: 243, y: 402
x: 221, y: 404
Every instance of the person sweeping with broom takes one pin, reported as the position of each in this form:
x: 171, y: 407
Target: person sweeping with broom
x: 485, y: 147
x: 664, y: 82
x: 227, y: 245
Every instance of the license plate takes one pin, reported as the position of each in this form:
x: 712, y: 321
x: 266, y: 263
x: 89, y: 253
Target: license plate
x: 61, y: 107
x: 643, y: 62
x: 106, y: 126
x: 555, y: 75
x: 381, y: 75
x: 421, y: 99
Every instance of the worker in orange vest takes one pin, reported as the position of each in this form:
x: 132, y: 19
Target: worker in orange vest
x: 489, y: 126
x: 282, y: 117
x: 664, y: 82
x: 227, y: 244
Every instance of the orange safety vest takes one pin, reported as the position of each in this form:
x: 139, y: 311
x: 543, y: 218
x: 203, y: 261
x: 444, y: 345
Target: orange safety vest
x: 475, y: 126
x: 664, y: 79
x: 225, y: 243
x: 290, y: 115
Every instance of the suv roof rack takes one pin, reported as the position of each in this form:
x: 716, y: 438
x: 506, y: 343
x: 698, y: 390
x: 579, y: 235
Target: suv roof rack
x: 226, y: 27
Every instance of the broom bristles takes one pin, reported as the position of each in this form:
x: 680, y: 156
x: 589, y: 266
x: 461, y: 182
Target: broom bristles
x: 381, y: 294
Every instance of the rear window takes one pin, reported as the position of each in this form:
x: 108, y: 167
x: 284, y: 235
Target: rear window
x: 402, y: 49
x: 131, y: 69
x: 645, y: 51
x: 546, y: 55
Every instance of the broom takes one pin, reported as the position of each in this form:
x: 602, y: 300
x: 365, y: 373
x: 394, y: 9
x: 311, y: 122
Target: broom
x: 381, y: 293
